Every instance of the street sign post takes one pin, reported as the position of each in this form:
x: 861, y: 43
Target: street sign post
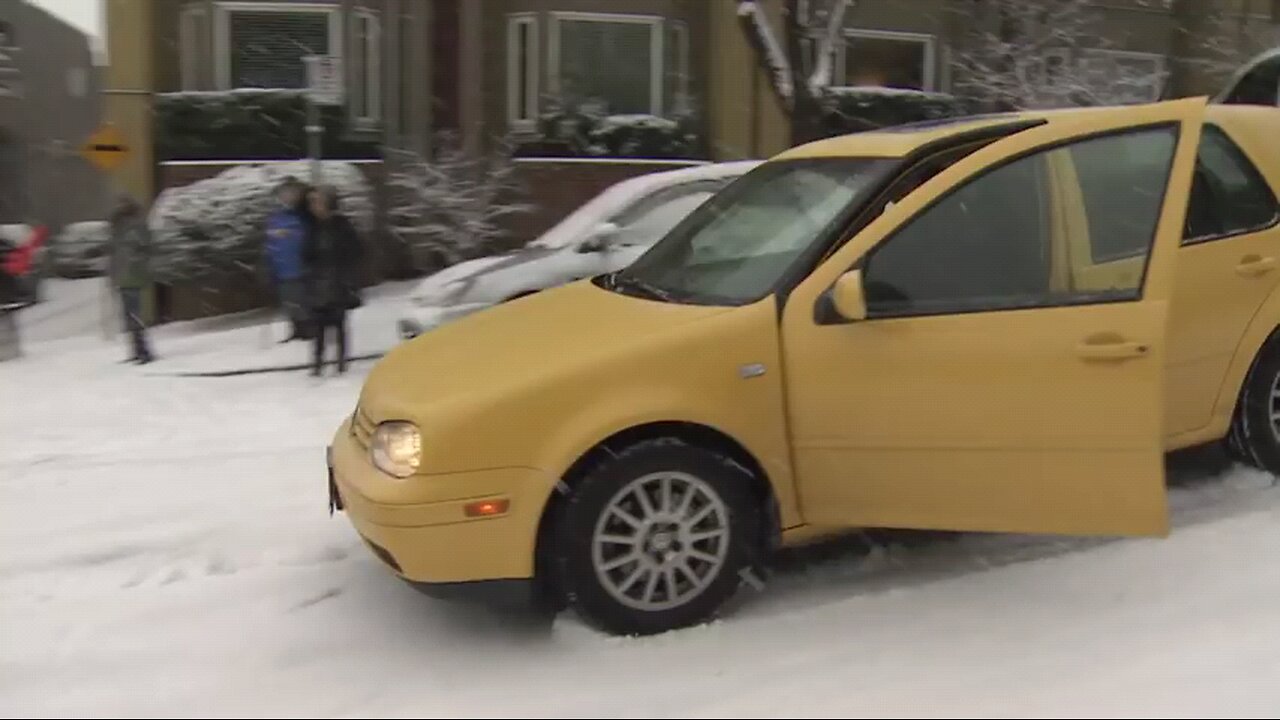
x: 324, y: 87
x: 106, y: 150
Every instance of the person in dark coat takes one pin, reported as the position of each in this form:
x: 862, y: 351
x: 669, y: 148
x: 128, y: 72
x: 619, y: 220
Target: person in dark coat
x: 332, y: 255
x: 286, y: 234
x: 130, y: 270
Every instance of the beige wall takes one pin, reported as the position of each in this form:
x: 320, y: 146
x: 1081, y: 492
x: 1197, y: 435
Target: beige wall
x: 129, y: 81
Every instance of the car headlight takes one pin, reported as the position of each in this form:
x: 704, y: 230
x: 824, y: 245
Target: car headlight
x: 396, y: 448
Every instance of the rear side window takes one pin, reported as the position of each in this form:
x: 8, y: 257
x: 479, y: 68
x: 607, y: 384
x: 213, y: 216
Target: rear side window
x: 1228, y: 196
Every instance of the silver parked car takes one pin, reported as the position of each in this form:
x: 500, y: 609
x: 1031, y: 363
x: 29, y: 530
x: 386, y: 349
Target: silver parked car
x: 606, y: 234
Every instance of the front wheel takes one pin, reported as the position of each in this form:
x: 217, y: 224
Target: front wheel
x: 657, y: 537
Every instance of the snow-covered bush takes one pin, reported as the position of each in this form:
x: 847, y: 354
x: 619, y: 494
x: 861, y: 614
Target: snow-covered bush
x: 572, y: 129
x: 80, y: 250
x: 214, y: 228
x: 853, y: 109
x: 452, y: 207
x: 248, y: 124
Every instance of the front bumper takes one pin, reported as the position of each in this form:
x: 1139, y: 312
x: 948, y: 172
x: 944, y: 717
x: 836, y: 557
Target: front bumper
x: 417, y: 320
x: 420, y: 526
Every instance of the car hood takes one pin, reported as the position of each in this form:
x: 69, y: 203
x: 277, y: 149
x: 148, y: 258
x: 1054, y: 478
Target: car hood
x: 455, y: 280
x: 488, y: 355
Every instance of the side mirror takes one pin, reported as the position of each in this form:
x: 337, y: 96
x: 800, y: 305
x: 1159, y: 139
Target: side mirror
x: 600, y: 239
x: 847, y: 297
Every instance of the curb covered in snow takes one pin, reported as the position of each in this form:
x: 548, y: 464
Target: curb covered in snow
x: 261, y: 370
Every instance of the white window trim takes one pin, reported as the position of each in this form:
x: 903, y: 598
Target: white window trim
x: 680, y: 30
x: 531, y: 60
x: 930, y: 43
x: 371, y: 67
x: 222, y: 29
x: 656, y: 49
x: 191, y: 44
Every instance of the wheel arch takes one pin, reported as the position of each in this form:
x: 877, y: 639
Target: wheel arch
x: 1263, y: 330
x: 692, y: 433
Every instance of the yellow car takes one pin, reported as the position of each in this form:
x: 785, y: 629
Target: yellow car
x: 997, y: 323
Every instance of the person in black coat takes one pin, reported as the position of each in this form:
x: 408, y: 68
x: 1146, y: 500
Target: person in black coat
x: 332, y: 254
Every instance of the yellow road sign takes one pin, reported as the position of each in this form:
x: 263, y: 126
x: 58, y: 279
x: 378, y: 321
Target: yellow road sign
x: 105, y: 148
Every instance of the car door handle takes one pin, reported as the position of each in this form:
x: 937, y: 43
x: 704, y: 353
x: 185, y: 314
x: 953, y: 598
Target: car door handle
x: 1255, y: 265
x: 1111, y: 349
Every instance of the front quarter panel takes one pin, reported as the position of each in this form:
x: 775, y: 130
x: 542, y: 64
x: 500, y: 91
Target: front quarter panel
x: 693, y: 373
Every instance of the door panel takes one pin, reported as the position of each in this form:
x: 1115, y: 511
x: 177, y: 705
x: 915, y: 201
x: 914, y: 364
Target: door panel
x: 1031, y: 404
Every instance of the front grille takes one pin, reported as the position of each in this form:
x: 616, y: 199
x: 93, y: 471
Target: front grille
x: 362, y: 427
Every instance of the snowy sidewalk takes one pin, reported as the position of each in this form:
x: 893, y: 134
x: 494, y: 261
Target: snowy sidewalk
x: 71, y: 320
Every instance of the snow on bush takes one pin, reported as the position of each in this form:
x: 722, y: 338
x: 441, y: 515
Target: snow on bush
x: 577, y: 128
x: 214, y: 228
x: 80, y: 250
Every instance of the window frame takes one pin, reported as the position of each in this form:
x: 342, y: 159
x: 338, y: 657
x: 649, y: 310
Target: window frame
x: 678, y: 31
x: 224, y: 9
x: 1255, y: 175
x: 929, y: 74
x: 1076, y: 300
x: 532, y: 56
x: 193, y: 31
x: 657, y: 49
x: 367, y: 68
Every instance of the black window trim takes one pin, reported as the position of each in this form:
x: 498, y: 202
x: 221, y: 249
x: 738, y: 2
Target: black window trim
x: 1256, y: 175
x: 824, y: 309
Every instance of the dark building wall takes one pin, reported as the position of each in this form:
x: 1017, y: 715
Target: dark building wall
x: 59, y: 105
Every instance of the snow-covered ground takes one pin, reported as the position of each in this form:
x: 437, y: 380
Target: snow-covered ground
x: 165, y: 550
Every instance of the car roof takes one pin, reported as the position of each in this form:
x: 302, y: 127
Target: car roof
x: 901, y: 140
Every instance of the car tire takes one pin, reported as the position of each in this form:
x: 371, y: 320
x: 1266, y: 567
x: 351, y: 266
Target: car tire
x: 1254, y: 438
x: 657, y: 537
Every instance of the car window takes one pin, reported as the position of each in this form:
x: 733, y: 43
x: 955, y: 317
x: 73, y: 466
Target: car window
x: 1119, y: 202
x: 655, y: 221
x: 1228, y: 196
x: 990, y: 244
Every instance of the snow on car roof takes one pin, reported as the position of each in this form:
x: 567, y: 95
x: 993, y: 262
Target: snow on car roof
x: 620, y: 195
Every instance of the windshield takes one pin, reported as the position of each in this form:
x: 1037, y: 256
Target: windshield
x: 735, y: 247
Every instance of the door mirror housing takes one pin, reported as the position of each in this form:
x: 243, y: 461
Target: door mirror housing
x: 600, y: 239
x: 848, y: 298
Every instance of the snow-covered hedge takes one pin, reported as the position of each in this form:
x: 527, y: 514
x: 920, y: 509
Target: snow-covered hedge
x: 854, y: 109
x: 213, y: 229
x: 583, y: 131
x: 247, y: 124
x: 80, y: 250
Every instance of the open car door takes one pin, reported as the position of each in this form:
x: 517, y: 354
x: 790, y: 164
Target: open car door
x: 1008, y: 373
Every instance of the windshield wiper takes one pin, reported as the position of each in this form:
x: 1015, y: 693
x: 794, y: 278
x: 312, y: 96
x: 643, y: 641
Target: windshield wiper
x: 619, y: 282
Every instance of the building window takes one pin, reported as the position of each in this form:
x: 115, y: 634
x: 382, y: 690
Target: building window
x: 365, y: 95
x: 262, y: 44
x: 614, y: 61
x: 193, y: 31
x: 1124, y: 77
x: 522, y: 71
x: 7, y: 38
x: 884, y: 58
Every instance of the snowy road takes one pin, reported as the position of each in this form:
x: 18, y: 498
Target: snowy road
x: 166, y: 551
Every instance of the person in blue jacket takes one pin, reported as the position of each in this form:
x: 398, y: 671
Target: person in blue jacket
x: 286, y: 234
